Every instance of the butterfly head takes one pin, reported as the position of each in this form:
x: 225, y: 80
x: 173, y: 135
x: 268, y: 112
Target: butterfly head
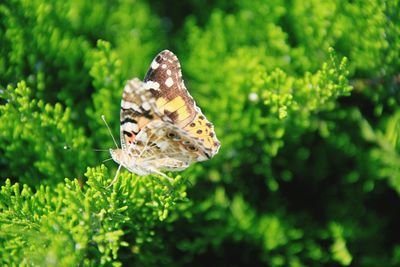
x: 131, y: 162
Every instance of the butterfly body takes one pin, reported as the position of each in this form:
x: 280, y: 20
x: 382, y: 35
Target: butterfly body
x: 162, y: 129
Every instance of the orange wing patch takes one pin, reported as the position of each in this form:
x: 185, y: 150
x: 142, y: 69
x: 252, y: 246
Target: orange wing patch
x: 176, y: 109
x: 203, y: 130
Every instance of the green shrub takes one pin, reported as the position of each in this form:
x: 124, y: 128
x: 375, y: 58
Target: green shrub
x: 304, y: 97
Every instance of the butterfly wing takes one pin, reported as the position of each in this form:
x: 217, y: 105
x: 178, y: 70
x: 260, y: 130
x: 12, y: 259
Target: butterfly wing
x: 138, y: 108
x: 163, y: 146
x: 164, y: 80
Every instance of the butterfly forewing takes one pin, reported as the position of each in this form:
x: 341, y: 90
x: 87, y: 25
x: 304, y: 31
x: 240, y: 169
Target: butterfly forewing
x: 137, y: 110
x: 174, y: 101
x: 172, y: 96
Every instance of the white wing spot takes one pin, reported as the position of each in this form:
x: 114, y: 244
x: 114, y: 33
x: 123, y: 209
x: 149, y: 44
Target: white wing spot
x: 128, y: 105
x: 151, y: 85
x: 130, y: 127
x: 128, y: 88
x: 169, y: 82
x: 142, y: 137
x: 164, y: 66
x: 146, y: 106
x: 169, y: 72
x: 154, y: 65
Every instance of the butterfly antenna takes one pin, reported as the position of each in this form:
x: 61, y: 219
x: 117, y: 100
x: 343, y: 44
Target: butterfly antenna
x: 115, y: 177
x: 109, y: 130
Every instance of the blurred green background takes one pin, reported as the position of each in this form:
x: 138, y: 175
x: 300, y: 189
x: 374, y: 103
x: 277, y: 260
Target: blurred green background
x: 304, y: 96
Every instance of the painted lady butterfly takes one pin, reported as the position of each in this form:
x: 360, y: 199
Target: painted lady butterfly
x: 162, y: 129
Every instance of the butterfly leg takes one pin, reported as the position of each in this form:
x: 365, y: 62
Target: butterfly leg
x: 115, y: 177
x: 146, y: 146
x: 163, y: 175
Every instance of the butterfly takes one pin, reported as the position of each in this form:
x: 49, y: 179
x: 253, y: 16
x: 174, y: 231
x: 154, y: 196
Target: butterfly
x: 161, y: 127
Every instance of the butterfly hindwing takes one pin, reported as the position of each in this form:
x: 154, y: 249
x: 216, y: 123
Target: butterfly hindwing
x: 160, y: 142
x: 203, y: 130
